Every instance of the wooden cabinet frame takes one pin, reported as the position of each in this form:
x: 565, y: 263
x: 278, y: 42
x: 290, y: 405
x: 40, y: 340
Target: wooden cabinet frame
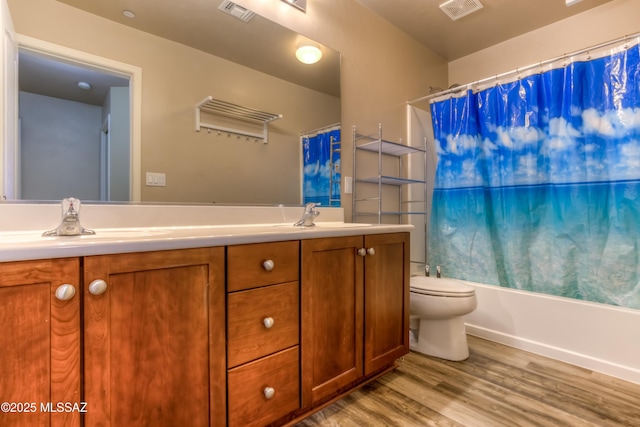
x: 40, y: 356
x: 139, y: 317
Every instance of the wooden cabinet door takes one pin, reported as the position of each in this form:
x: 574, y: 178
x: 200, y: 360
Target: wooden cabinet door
x: 154, y: 340
x: 39, y: 343
x: 386, y: 307
x: 332, y: 315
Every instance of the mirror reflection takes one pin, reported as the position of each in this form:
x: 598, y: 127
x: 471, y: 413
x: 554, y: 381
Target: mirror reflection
x: 74, y: 131
x: 205, y: 53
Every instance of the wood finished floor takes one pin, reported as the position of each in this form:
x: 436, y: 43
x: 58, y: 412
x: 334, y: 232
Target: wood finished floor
x: 496, y: 386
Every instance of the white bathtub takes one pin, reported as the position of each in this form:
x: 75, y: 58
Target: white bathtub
x: 595, y: 336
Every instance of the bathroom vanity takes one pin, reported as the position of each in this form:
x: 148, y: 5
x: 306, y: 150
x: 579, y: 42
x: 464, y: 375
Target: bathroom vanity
x: 238, y: 325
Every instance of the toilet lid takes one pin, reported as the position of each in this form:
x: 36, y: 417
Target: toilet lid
x: 444, y: 287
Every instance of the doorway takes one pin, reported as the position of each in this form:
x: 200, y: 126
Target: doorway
x: 62, y: 106
x: 90, y: 86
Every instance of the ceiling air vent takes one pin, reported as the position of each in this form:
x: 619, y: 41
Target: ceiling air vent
x: 239, y: 12
x: 456, y: 9
x: 299, y: 4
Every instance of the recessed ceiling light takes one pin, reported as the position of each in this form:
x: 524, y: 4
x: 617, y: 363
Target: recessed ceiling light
x: 84, y: 85
x: 128, y: 14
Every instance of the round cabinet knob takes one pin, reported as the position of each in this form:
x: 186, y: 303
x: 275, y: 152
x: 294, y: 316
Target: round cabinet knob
x: 97, y: 287
x: 269, y: 392
x: 268, y: 322
x: 65, y: 292
x: 268, y: 265
x: 362, y: 251
x: 371, y: 251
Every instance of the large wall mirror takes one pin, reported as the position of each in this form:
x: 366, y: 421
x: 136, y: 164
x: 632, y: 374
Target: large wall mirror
x: 185, y: 52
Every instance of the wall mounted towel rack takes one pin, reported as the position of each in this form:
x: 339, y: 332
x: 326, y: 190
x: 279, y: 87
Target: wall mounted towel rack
x: 223, y: 108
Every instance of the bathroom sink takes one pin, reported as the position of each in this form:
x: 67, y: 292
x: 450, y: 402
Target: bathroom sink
x: 13, y: 238
x: 327, y: 225
x: 104, y: 234
x: 341, y: 225
x: 134, y: 233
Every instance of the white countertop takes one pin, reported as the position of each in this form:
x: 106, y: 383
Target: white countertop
x: 187, y: 232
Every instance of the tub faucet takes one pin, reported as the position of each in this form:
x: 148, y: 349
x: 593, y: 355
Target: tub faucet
x: 426, y: 270
x: 70, y: 224
x: 309, y: 215
x: 438, y: 271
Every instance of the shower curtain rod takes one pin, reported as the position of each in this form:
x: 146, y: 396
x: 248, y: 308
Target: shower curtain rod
x: 519, y: 70
x: 319, y: 129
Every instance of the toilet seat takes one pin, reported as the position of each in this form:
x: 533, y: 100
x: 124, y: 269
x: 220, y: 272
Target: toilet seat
x: 443, y: 287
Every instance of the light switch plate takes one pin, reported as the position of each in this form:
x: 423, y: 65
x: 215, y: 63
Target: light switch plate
x: 156, y: 179
x: 348, y: 185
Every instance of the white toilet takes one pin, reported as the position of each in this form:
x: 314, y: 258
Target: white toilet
x: 437, y: 309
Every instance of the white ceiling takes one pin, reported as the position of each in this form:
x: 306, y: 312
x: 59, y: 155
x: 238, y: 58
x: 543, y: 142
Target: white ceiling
x: 497, y: 21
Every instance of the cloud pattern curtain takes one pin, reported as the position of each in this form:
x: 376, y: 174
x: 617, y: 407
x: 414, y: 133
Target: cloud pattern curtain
x: 321, y: 168
x: 538, y: 182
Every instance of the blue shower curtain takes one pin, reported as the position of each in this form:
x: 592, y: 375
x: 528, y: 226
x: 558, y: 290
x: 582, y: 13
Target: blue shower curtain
x: 319, y: 164
x: 538, y: 182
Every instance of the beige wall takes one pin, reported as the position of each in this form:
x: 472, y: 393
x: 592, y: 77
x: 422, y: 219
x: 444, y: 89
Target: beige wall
x: 199, y: 167
x: 601, y: 24
x: 382, y: 68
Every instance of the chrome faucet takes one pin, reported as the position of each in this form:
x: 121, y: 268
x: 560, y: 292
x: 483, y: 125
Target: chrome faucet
x: 309, y: 215
x: 438, y: 271
x: 70, y: 224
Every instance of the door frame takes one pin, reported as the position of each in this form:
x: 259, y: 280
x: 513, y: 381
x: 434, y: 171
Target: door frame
x: 132, y: 72
x: 105, y: 159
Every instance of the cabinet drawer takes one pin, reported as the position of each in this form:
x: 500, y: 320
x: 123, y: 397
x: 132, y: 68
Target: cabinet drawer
x: 246, y: 264
x: 248, y: 314
x: 249, y: 385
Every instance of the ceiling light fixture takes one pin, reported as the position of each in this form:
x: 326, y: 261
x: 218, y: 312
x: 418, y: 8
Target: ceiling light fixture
x: 298, y: 4
x: 308, y: 53
x: 129, y: 14
x: 84, y: 85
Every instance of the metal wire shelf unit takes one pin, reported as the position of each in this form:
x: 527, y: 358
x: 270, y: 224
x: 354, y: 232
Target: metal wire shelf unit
x: 383, y: 148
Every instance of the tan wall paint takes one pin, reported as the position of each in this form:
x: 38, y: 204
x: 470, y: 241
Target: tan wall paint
x: 601, y: 24
x: 382, y: 68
